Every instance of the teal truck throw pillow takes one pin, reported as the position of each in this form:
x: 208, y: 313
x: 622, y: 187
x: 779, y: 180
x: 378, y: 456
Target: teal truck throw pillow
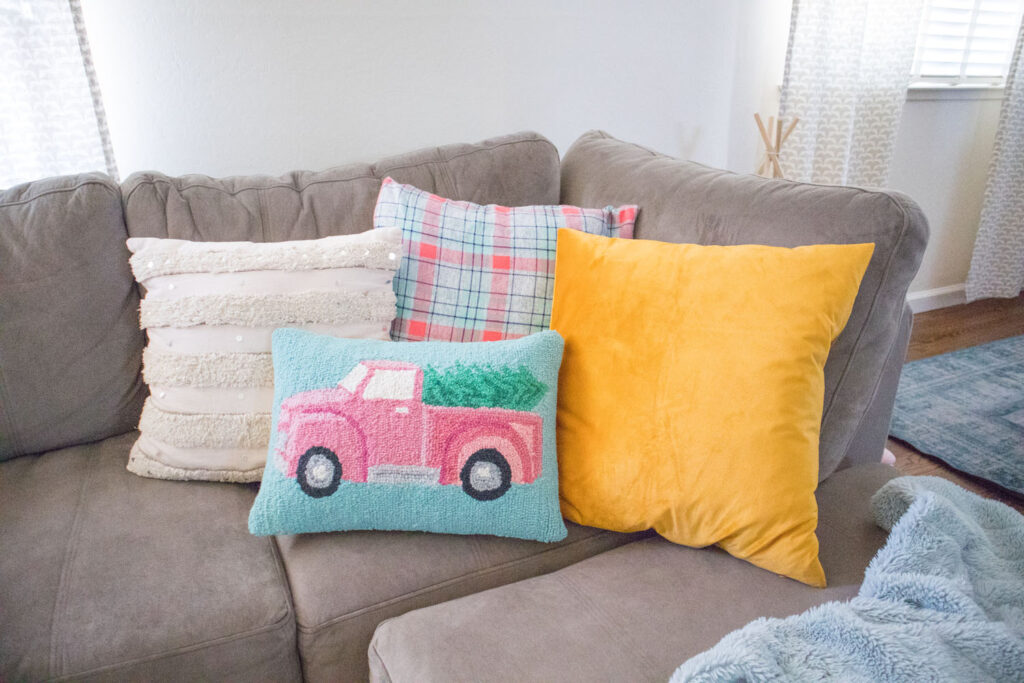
x: 443, y: 437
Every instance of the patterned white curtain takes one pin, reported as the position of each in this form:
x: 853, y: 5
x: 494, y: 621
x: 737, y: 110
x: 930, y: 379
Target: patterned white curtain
x: 997, y: 264
x: 847, y: 72
x: 51, y: 115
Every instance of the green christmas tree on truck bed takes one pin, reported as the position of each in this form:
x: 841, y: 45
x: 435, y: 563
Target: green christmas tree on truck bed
x: 482, y: 386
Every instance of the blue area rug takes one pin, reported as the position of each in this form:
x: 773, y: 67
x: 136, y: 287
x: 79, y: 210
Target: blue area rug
x: 967, y: 408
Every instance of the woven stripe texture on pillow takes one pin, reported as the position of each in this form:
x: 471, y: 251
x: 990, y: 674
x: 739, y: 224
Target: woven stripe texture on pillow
x: 210, y: 309
x: 479, y: 273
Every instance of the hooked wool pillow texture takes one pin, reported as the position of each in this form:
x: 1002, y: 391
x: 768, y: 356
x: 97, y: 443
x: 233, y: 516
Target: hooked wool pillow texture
x: 428, y: 436
x: 209, y: 311
x: 691, y: 390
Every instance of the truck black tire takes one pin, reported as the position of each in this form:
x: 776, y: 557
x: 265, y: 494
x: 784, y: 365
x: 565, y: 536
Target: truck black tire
x: 318, y: 472
x: 486, y: 475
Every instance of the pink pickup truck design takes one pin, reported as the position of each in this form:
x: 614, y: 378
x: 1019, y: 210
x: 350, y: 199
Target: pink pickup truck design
x: 374, y: 427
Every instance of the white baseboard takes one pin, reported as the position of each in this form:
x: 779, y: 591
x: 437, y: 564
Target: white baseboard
x: 940, y: 297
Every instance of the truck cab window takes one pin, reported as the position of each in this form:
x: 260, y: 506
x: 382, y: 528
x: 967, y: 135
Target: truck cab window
x: 353, y: 378
x: 395, y: 385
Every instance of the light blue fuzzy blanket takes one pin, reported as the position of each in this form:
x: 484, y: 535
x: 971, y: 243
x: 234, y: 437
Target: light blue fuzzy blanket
x: 943, y: 600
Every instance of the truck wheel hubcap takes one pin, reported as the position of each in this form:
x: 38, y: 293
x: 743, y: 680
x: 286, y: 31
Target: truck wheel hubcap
x: 485, y: 476
x: 319, y: 471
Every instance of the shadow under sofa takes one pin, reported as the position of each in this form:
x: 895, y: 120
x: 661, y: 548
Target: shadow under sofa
x: 106, y: 575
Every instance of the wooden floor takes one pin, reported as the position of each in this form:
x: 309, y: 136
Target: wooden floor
x: 949, y: 329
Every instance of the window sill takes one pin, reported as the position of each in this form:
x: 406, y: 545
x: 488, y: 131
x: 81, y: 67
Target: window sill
x: 929, y: 92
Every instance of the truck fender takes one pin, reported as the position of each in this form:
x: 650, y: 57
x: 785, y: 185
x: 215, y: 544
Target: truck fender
x: 496, y: 436
x: 338, y: 433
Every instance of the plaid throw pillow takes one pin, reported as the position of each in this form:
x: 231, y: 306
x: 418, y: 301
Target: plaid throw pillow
x: 479, y: 273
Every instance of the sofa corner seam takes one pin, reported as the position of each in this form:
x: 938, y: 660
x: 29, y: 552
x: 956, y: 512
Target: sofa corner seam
x: 442, y: 584
x: 17, y: 447
x: 56, y: 664
x: 280, y: 624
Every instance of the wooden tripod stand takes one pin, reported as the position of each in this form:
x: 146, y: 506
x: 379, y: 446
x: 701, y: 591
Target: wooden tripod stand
x: 773, y: 137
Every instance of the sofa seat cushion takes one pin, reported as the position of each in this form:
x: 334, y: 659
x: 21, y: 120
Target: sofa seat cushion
x: 634, y: 613
x: 344, y: 584
x: 107, y: 575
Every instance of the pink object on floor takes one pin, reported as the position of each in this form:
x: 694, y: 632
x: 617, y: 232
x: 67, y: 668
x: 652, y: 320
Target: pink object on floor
x: 888, y: 458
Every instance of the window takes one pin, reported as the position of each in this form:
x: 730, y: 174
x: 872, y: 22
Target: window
x: 394, y: 385
x: 353, y: 378
x: 51, y: 114
x: 966, y: 42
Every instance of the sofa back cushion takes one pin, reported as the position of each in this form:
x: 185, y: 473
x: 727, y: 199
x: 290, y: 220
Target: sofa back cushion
x: 70, y: 345
x: 686, y: 202
x: 512, y: 170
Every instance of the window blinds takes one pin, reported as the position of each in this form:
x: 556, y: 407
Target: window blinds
x: 967, y: 41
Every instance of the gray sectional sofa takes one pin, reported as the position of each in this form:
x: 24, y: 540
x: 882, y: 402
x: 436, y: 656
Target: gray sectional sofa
x: 106, y: 575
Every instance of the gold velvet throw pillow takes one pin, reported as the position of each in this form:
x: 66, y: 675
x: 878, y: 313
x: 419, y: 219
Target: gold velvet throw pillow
x: 691, y: 389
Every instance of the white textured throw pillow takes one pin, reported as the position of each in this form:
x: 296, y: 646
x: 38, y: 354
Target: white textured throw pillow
x: 209, y: 311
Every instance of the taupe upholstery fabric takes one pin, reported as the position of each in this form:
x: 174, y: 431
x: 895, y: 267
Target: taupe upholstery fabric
x: 106, y: 575
x: 70, y: 345
x: 869, y: 439
x: 685, y: 202
x: 631, y: 614
x: 344, y: 585
x: 512, y: 170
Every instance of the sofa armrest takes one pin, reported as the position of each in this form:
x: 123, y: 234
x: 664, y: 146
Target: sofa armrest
x: 868, y: 440
x: 682, y: 201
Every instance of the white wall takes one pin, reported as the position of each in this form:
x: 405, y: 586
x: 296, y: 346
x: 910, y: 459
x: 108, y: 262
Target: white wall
x: 941, y: 160
x: 760, y: 65
x: 243, y: 86
x: 265, y: 86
